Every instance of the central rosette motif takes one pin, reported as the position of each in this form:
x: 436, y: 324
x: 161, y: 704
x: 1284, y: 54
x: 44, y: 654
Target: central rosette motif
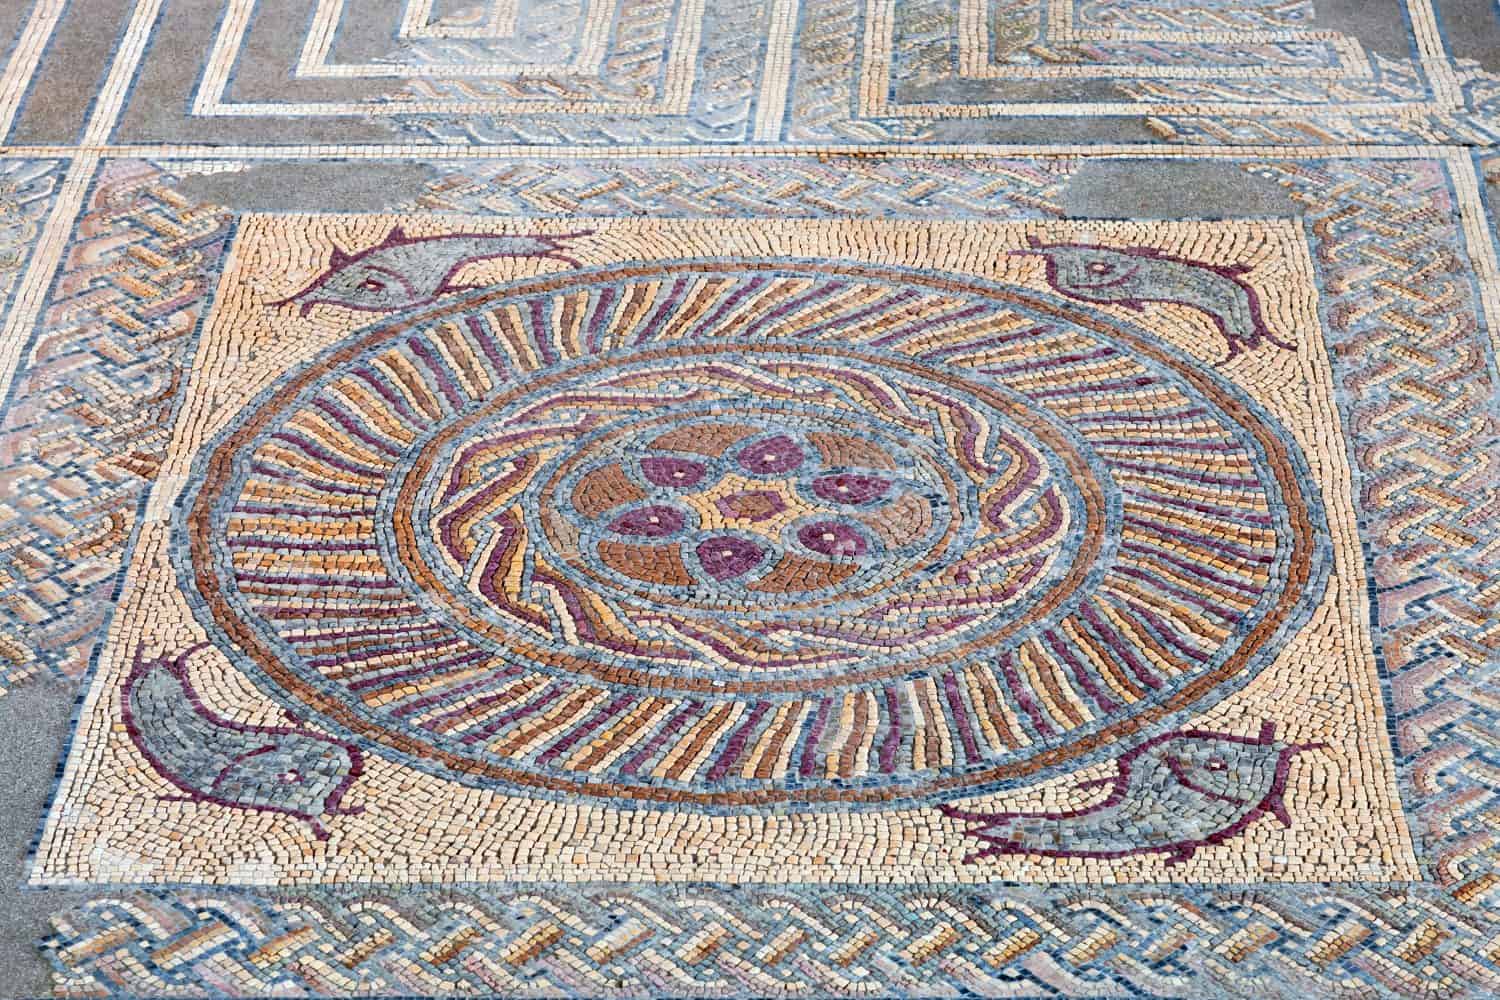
x: 718, y: 506
x: 722, y: 507
x: 694, y: 518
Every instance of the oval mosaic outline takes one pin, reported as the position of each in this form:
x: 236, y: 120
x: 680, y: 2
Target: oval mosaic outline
x: 1289, y: 467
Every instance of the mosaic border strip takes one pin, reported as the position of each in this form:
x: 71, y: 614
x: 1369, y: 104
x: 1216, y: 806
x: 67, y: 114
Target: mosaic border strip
x: 801, y: 86
x: 88, y: 417
x: 822, y: 941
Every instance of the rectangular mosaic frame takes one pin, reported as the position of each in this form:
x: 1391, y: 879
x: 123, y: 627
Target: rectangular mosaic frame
x: 418, y: 21
x: 1057, y: 22
x: 879, y: 57
x: 67, y: 857
x: 316, y: 59
x: 211, y: 95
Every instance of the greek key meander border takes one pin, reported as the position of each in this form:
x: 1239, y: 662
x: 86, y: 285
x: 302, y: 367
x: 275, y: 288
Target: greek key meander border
x: 679, y: 59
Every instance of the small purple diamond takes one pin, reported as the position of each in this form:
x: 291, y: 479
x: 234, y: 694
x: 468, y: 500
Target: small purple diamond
x: 725, y: 557
x: 771, y: 456
x: 849, y: 487
x: 649, y: 522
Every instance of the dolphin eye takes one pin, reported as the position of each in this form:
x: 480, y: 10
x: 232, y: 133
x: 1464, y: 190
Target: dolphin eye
x: 289, y: 777
x: 372, y: 285
x: 1100, y: 267
x: 1216, y: 764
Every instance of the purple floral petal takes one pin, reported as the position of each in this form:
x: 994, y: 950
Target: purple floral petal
x: 673, y: 473
x: 832, y: 539
x: 771, y: 456
x: 725, y: 557
x: 649, y: 522
x: 849, y: 487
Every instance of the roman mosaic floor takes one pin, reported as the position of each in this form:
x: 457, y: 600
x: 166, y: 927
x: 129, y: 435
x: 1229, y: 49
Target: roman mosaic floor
x: 750, y: 498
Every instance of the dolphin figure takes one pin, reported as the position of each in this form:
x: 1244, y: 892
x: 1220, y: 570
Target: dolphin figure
x: 284, y: 769
x: 403, y: 271
x: 1173, y: 794
x: 1132, y: 276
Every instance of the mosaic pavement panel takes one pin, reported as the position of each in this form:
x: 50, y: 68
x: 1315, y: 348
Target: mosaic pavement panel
x: 635, y: 591
x: 1380, y: 333
x: 704, y: 504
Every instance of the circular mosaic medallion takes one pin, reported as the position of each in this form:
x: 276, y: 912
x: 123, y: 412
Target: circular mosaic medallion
x: 735, y: 533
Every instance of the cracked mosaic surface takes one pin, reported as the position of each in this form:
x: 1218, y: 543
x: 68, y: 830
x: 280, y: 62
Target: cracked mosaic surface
x: 877, y: 497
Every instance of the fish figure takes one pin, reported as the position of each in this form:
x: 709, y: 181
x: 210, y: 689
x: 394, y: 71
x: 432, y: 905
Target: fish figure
x: 1173, y: 794
x: 283, y: 769
x: 1133, y: 276
x: 403, y: 271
